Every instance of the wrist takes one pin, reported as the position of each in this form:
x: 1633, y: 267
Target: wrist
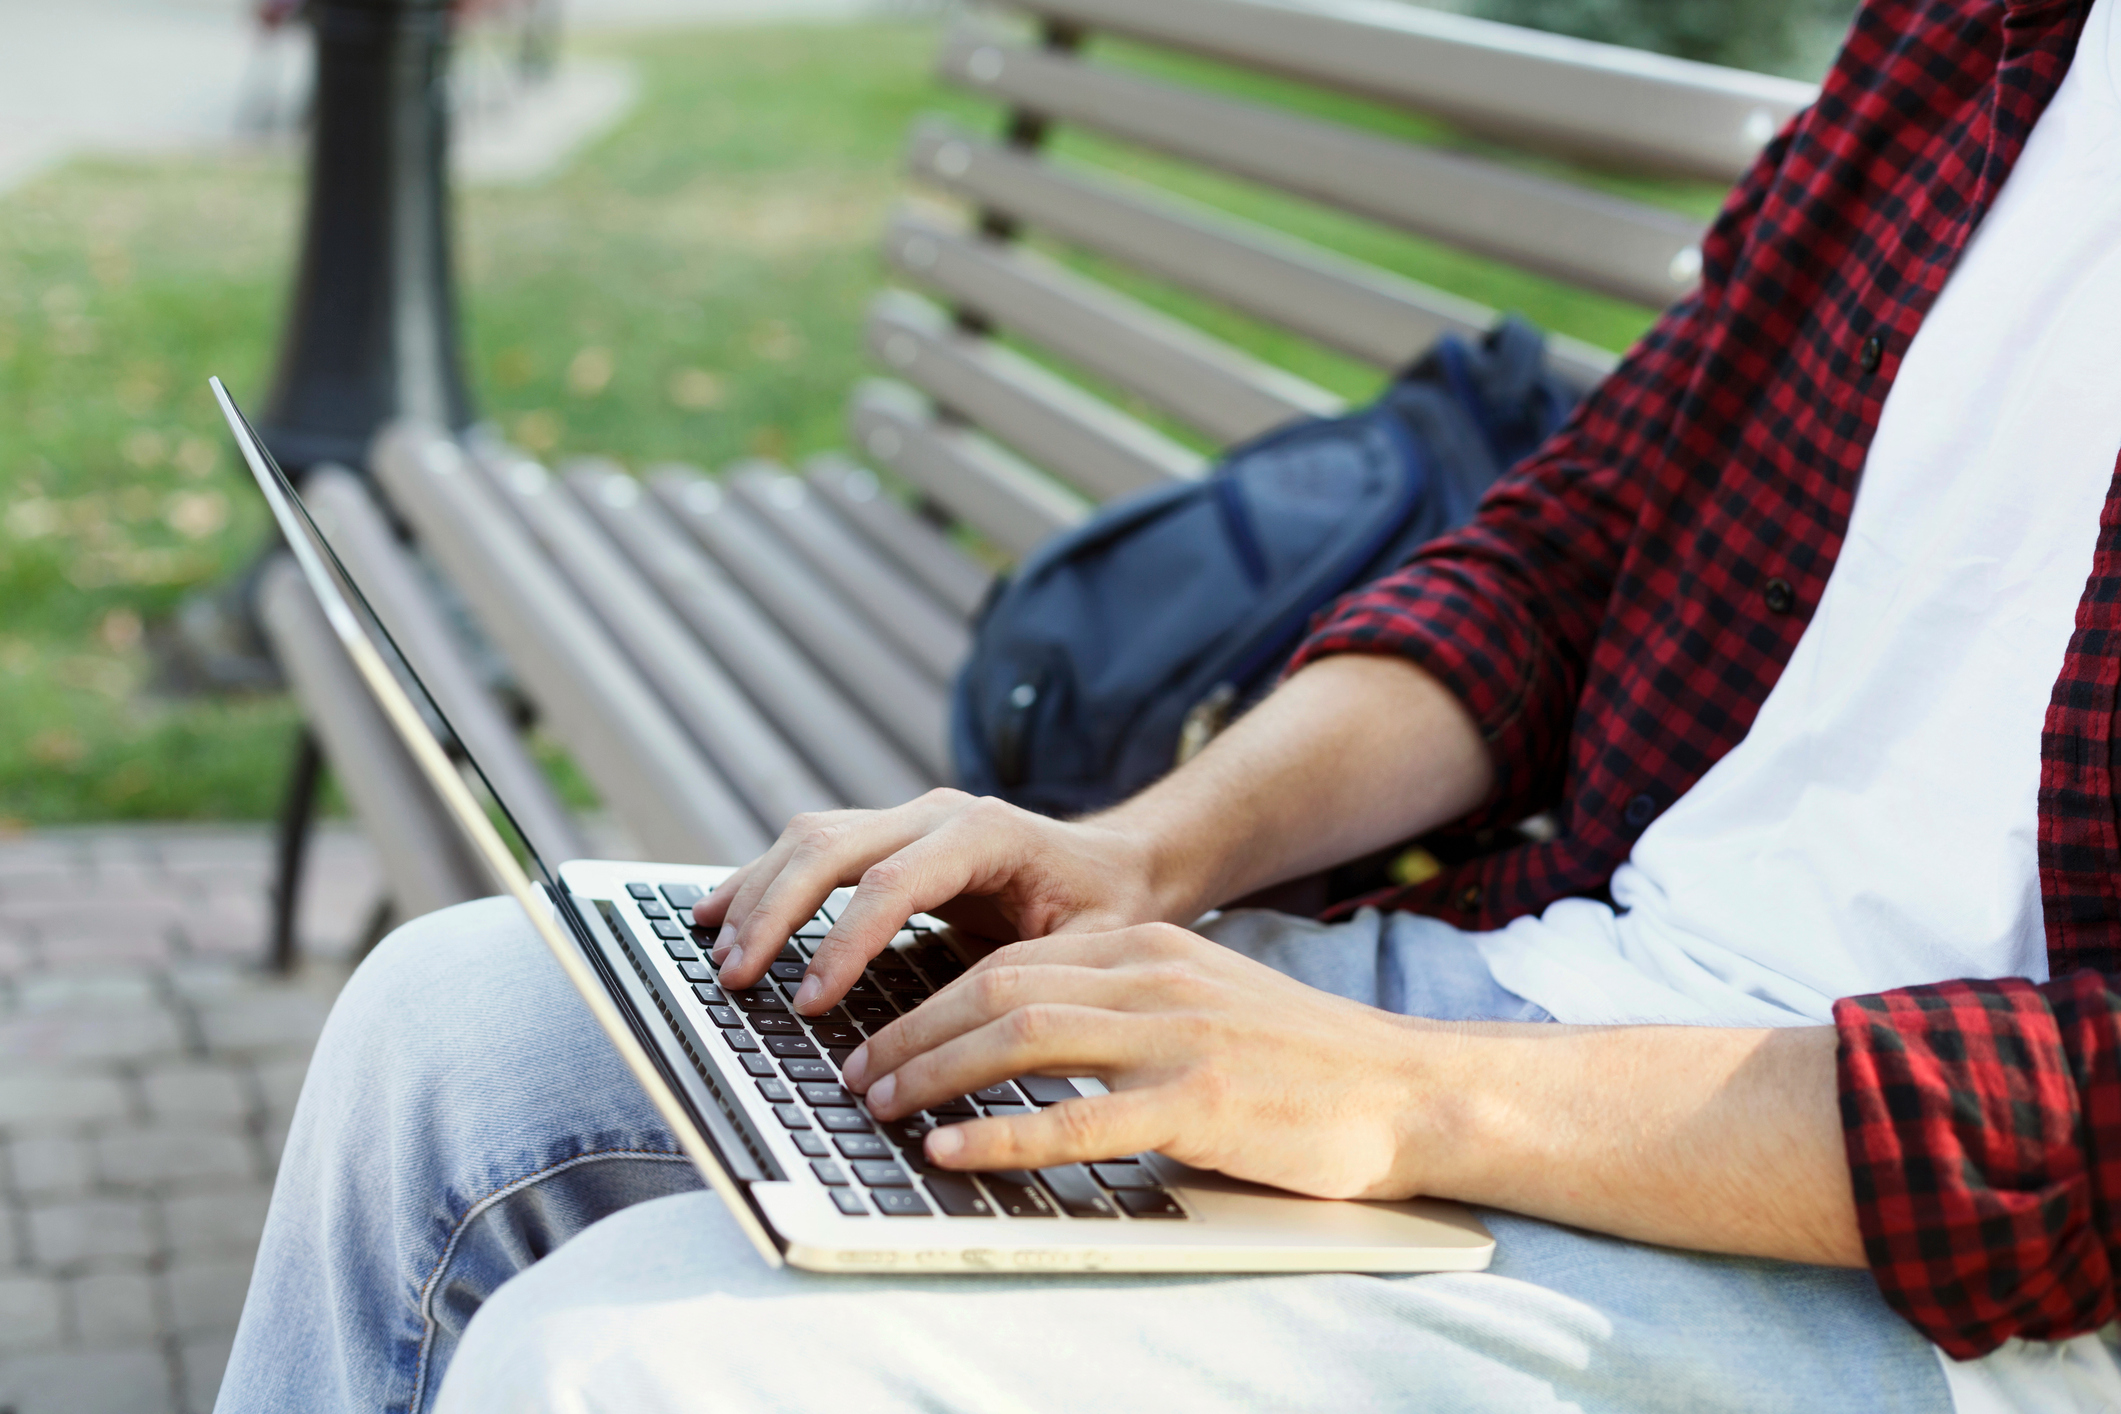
x: 1176, y: 862
x: 1458, y: 1087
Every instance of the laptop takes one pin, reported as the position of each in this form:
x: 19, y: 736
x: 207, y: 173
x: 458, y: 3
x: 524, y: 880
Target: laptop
x: 752, y: 1091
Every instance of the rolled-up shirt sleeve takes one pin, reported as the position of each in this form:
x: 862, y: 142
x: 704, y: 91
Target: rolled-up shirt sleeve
x: 1506, y: 610
x: 1983, y: 1126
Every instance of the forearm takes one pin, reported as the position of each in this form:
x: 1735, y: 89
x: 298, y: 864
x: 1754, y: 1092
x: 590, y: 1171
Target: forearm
x: 1354, y: 752
x: 1692, y: 1137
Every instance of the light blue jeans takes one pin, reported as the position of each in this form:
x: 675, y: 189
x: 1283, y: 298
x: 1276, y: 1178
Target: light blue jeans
x: 463, y: 1119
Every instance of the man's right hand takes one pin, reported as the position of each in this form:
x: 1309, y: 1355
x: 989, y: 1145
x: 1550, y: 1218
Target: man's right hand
x: 979, y: 864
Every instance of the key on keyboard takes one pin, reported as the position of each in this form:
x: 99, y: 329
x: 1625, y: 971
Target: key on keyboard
x: 1018, y: 1194
x: 1158, y: 1204
x: 1079, y: 1195
x: 899, y: 1203
x: 1047, y: 1089
x: 958, y: 1196
x: 1124, y: 1176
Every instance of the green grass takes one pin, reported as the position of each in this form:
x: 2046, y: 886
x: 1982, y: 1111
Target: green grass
x: 691, y: 289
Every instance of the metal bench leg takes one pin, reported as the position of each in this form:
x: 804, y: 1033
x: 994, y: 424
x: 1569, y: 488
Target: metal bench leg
x: 298, y: 812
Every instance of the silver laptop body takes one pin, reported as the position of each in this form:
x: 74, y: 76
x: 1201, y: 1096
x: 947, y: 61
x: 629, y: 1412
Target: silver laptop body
x: 751, y: 1090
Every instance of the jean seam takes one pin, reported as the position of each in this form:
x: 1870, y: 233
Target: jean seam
x: 471, y: 1214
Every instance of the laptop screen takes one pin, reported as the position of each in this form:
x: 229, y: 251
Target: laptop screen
x: 348, y: 609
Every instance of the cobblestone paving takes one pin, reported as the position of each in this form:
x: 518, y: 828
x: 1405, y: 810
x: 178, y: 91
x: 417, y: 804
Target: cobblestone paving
x: 148, y: 1070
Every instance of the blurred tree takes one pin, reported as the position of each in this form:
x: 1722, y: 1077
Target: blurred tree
x: 1768, y: 35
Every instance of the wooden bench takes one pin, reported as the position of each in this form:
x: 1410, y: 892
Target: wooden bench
x: 718, y: 654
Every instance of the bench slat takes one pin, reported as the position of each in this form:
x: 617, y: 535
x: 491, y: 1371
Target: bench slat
x: 911, y: 707
x: 1564, y: 95
x: 627, y: 743
x: 423, y: 853
x: 958, y: 581
x: 1223, y: 391
x: 870, y: 584
x: 363, y: 538
x: 1341, y: 303
x: 1084, y: 441
x: 995, y: 494
x: 1587, y: 238
x: 849, y: 750
x: 775, y: 782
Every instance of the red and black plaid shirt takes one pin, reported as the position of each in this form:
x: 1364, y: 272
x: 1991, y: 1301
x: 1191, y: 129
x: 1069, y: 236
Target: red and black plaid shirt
x: 1617, y: 612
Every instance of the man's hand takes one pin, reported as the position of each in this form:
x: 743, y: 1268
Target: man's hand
x: 977, y: 863
x: 1697, y: 1137
x: 1349, y: 755
x: 1210, y: 1057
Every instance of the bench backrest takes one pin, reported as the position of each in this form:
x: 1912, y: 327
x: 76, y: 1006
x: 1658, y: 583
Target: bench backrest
x: 1005, y: 444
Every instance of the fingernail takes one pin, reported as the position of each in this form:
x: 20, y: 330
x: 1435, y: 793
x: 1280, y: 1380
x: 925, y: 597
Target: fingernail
x: 719, y: 951
x: 809, y: 992
x: 944, y: 1143
x: 729, y: 964
x: 856, y: 1070
x: 879, y: 1096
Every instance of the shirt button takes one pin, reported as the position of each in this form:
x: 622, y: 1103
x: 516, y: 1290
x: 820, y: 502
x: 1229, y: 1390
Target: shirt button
x: 1871, y: 354
x: 1641, y: 810
x: 1780, y: 597
x: 1469, y: 897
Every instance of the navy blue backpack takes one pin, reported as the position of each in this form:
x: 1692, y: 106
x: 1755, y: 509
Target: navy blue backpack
x: 1119, y: 648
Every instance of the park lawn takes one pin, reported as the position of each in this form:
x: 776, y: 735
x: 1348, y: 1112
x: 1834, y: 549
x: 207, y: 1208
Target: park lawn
x: 691, y: 289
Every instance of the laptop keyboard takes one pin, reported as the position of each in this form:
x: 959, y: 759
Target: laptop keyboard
x: 870, y: 1167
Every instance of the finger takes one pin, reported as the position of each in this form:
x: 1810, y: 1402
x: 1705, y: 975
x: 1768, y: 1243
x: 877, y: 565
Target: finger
x: 980, y: 997
x: 815, y: 855
x: 1072, y: 1132
x: 926, y: 873
x: 743, y: 891
x: 711, y: 910
x: 1050, y: 1038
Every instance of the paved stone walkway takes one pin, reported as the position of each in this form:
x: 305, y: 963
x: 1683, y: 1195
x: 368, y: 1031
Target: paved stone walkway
x: 148, y: 1070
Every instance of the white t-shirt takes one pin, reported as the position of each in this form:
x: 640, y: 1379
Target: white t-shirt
x: 1878, y: 826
